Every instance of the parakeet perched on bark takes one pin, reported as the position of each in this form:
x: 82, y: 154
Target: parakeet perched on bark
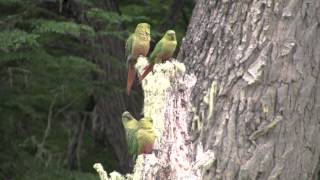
x: 163, y: 51
x: 131, y: 126
x: 146, y: 136
x: 137, y: 44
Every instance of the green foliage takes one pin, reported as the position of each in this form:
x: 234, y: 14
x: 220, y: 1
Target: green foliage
x: 105, y: 16
x: 13, y: 40
x: 44, y: 70
x: 37, y: 170
x: 113, y: 17
x: 67, y: 28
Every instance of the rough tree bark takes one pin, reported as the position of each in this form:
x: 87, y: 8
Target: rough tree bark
x: 73, y: 160
x: 263, y: 56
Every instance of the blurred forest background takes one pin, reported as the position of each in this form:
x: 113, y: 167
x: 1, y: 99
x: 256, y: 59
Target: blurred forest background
x: 63, y: 80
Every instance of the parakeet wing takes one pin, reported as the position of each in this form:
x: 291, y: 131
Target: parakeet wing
x: 133, y: 143
x: 128, y: 47
x: 153, y: 56
x: 131, y: 70
x: 156, y: 51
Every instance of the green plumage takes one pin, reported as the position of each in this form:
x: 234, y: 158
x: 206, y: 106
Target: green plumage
x: 162, y: 52
x: 164, y: 48
x: 131, y: 127
x: 140, y: 134
x: 146, y: 135
x: 137, y: 44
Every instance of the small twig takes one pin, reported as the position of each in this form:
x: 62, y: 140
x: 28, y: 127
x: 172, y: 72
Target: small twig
x: 22, y: 70
x: 47, y: 132
x: 48, y: 128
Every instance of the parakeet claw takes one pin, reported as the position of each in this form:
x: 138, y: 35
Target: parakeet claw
x: 156, y: 151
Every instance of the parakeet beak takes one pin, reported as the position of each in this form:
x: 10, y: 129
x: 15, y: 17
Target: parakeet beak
x: 171, y: 34
x: 173, y: 37
x: 127, y: 115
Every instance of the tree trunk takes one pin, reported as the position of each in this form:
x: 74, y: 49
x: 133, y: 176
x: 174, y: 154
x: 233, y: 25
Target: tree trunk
x: 76, y: 137
x: 263, y: 56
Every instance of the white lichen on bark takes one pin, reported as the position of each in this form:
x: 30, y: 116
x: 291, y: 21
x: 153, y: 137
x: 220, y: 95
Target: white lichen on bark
x: 210, y: 98
x: 102, y: 173
x: 154, y: 87
x: 166, y: 97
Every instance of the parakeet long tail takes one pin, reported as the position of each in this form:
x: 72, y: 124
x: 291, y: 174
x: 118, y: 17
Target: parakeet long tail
x: 131, y: 76
x: 147, y: 70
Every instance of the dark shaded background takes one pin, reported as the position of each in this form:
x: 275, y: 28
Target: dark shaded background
x: 62, y: 82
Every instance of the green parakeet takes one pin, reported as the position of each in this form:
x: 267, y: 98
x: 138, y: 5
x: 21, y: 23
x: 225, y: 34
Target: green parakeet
x: 137, y: 44
x: 131, y: 126
x: 146, y: 136
x: 163, y: 51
